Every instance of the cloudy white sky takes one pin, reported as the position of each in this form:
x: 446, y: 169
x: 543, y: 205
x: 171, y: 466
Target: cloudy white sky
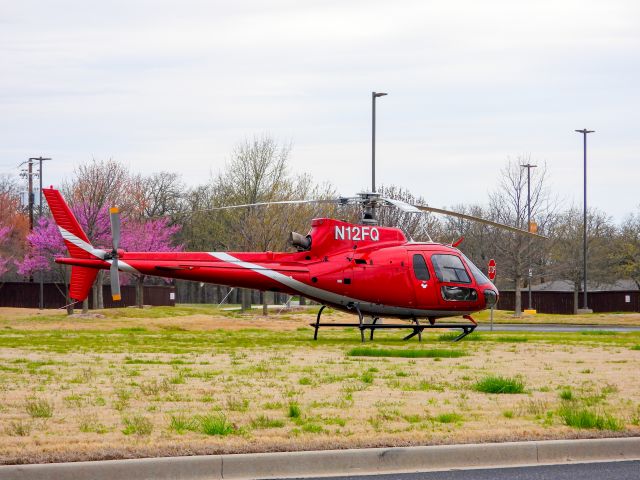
x: 173, y: 85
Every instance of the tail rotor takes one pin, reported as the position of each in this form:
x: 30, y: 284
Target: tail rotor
x: 114, y: 216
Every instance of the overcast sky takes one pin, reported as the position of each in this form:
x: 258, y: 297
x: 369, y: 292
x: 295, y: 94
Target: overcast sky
x: 173, y: 86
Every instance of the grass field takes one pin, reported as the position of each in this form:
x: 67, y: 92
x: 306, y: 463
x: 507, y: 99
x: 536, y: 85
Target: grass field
x: 193, y: 379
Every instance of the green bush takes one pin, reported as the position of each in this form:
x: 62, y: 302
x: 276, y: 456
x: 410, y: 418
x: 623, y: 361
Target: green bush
x: 566, y: 394
x: 367, y: 377
x: 379, y: 352
x: 449, y: 418
x: 39, y: 408
x: 262, y: 421
x: 18, y: 428
x: 294, y: 410
x: 137, y: 424
x: 498, y: 384
x: 215, y: 424
x: 181, y: 423
x: 587, y: 418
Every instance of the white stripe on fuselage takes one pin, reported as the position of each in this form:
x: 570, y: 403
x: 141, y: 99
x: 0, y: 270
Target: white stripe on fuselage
x: 96, y: 252
x: 329, y: 297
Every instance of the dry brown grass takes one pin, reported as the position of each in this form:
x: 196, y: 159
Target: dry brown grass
x: 243, y: 374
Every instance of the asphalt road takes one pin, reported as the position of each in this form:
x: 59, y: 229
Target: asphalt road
x: 549, y: 327
x: 583, y: 471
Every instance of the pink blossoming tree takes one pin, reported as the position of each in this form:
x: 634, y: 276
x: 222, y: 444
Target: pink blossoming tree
x: 4, y: 237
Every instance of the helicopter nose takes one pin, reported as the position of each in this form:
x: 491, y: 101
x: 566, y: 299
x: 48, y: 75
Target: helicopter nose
x: 490, y: 297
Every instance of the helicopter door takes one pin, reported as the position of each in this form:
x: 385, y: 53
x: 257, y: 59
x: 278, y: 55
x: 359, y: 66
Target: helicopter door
x: 424, y: 285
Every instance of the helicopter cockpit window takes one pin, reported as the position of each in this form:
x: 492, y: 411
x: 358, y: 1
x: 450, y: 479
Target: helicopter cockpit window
x: 420, y: 267
x: 449, y: 268
x: 476, y: 272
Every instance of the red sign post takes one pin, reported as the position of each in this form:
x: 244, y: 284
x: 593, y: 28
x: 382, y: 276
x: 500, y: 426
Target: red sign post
x: 491, y: 270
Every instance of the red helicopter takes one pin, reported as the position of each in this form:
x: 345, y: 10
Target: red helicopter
x: 366, y: 269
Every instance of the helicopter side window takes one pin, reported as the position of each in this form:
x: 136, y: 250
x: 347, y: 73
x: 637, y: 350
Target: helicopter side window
x: 449, y: 268
x: 420, y: 267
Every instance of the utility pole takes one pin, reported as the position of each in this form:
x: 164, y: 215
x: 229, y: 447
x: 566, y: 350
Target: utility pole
x: 585, y: 306
x: 28, y: 173
x: 529, y: 166
x: 40, y: 160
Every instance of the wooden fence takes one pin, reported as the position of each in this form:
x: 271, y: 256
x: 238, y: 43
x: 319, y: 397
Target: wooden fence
x: 562, y: 302
x: 19, y: 294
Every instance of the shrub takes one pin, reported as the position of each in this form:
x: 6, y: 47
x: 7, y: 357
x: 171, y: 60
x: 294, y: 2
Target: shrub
x: 566, y: 394
x: 513, y: 339
x: 262, y: 421
x: 586, y: 418
x: 137, y: 424
x: 312, y: 428
x: 18, y: 428
x: 215, y: 424
x: 90, y: 424
x: 180, y: 423
x: 294, y: 410
x: 154, y: 387
x: 367, y: 377
x: 449, y: 418
x: 237, y: 404
x: 431, y: 353
x: 497, y: 384
x: 39, y: 408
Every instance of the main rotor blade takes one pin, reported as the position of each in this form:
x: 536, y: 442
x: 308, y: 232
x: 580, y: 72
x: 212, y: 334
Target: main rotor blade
x: 399, y: 204
x: 115, y: 280
x: 341, y: 200
x: 441, y: 211
x: 114, y: 216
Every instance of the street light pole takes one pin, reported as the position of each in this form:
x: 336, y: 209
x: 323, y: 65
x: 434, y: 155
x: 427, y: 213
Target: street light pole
x: 529, y: 166
x: 584, y: 133
x: 374, y: 95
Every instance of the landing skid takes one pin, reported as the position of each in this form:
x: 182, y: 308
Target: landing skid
x: 415, y: 325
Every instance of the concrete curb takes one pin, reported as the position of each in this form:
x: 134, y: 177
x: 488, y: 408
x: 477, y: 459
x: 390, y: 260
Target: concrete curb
x: 335, y: 462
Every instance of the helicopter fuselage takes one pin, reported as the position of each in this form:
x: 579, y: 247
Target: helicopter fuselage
x: 371, y: 268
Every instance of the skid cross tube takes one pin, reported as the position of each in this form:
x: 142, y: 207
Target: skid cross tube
x: 415, y: 325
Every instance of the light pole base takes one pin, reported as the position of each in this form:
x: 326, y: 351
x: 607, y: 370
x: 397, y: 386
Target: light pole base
x: 584, y: 310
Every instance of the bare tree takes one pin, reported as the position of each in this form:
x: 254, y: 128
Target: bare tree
x: 508, y: 205
x: 416, y: 226
x: 566, y: 260
x: 257, y: 172
x: 160, y: 194
x: 94, y: 187
x: 626, y: 251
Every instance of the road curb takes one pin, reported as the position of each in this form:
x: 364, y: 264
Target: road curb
x: 335, y: 462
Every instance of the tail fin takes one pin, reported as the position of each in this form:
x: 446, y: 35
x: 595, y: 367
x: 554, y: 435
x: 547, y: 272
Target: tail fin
x: 77, y: 243
x: 82, y: 279
x: 74, y: 237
